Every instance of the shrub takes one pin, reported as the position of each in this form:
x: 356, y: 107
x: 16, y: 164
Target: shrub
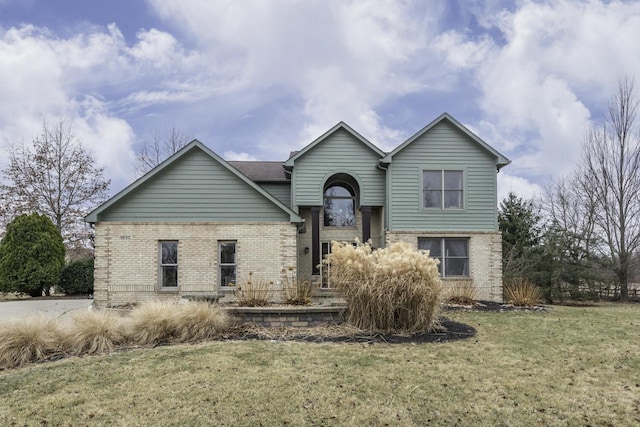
x: 395, y: 289
x: 522, y: 292
x: 254, y: 292
x: 296, y: 292
x: 30, y: 340
x: 77, y: 278
x: 93, y: 332
x: 31, y: 255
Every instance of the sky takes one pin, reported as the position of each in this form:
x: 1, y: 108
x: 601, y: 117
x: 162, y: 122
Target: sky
x: 256, y: 79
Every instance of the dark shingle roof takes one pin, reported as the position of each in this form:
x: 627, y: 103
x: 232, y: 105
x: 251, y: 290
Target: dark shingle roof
x: 260, y: 171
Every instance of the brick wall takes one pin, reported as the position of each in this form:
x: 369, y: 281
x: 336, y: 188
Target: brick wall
x: 485, y: 259
x: 127, y: 257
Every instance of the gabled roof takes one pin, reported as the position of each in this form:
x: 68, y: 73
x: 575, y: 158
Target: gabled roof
x: 193, y: 145
x: 342, y: 125
x: 501, y: 160
x: 260, y: 171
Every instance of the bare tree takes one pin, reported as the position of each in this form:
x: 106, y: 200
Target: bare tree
x: 55, y: 176
x: 610, y: 171
x: 158, y: 148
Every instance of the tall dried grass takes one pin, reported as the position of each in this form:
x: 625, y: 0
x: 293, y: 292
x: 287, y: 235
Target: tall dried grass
x: 30, y: 340
x: 522, y: 292
x: 254, y: 292
x: 395, y: 289
x: 94, y: 332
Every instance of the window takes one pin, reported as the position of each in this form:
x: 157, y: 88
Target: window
x: 442, y: 189
x: 168, y: 274
x: 453, y: 254
x: 227, y: 263
x: 339, y: 206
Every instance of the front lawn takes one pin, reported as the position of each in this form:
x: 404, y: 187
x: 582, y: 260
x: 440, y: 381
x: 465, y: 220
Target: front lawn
x: 568, y: 366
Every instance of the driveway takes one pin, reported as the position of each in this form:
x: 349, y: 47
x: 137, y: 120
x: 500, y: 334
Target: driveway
x: 53, y: 307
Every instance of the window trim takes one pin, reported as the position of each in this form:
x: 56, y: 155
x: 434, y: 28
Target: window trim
x: 443, y: 258
x: 161, y: 265
x: 221, y: 264
x: 442, y: 188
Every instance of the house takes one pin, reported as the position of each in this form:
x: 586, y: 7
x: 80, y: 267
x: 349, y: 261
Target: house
x: 197, y: 225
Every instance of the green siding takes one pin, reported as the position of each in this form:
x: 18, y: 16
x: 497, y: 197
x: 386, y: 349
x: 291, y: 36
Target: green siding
x: 281, y: 191
x: 443, y: 147
x: 340, y: 152
x: 194, y: 188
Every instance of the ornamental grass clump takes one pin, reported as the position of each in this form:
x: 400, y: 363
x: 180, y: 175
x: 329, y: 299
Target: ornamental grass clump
x: 153, y: 323
x: 521, y: 292
x: 94, y: 332
x: 199, y: 321
x: 162, y: 322
x: 25, y: 341
x: 254, y: 292
x: 296, y: 292
x: 395, y: 289
x: 464, y: 293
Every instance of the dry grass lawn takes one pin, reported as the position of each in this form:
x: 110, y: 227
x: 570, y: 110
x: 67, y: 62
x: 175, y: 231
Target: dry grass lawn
x: 569, y: 366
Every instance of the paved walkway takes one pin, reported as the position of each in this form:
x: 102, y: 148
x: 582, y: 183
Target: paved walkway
x: 20, y: 309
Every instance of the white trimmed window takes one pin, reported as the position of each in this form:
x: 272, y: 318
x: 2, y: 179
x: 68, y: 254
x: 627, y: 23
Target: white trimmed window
x: 452, y: 252
x: 227, y: 263
x: 168, y: 265
x: 442, y: 189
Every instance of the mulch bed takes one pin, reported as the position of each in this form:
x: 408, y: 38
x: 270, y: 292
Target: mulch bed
x: 448, y: 330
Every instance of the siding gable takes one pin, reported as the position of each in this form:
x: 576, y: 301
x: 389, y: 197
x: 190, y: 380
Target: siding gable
x: 340, y: 151
x: 193, y: 185
x: 443, y: 146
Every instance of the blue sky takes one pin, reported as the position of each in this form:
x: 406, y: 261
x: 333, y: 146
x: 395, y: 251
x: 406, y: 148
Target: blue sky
x: 256, y: 79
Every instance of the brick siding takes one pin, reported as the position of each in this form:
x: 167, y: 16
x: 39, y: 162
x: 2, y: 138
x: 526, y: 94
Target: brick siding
x: 485, y: 259
x: 127, y: 257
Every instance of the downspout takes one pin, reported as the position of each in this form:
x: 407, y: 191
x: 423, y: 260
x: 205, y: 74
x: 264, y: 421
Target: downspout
x: 387, y: 198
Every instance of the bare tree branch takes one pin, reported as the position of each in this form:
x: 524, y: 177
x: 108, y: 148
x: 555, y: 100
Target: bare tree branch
x: 609, y: 171
x: 55, y: 176
x: 159, y: 148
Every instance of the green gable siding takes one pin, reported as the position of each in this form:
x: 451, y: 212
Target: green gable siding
x: 443, y: 147
x: 280, y: 190
x: 340, y: 152
x: 194, y: 188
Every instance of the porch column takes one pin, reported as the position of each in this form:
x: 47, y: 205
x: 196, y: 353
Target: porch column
x: 315, y: 240
x: 366, y: 223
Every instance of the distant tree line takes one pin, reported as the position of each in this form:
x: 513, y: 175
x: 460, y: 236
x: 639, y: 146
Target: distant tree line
x: 583, y: 236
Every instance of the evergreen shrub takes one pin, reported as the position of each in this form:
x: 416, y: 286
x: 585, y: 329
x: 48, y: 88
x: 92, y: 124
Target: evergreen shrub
x: 77, y: 278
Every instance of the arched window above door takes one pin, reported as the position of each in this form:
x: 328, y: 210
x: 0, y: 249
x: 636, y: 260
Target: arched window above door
x: 339, y: 203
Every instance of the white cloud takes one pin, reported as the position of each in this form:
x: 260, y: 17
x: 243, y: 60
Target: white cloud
x: 538, y: 83
x: 518, y: 185
x: 232, y: 155
x: 45, y: 77
x: 342, y: 59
